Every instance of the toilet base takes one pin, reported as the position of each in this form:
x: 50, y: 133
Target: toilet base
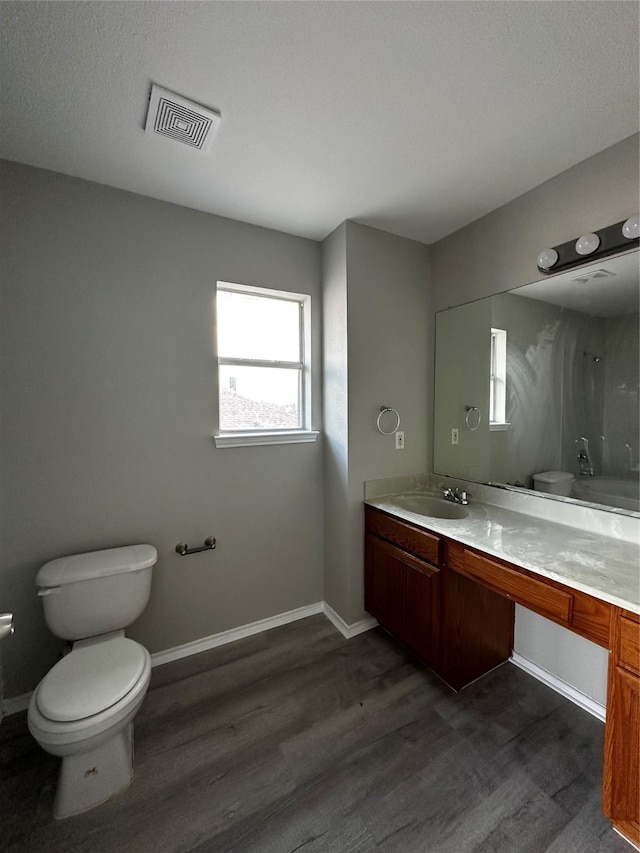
x: 89, y: 778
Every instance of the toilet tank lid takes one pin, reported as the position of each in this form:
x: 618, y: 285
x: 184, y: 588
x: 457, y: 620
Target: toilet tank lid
x: 96, y: 564
x: 553, y: 477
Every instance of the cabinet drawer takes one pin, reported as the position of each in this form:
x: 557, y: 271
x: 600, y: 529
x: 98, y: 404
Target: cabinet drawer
x: 591, y: 618
x: 416, y: 563
x: 419, y: 542
x: 531, y: 593
x: 628, y: 646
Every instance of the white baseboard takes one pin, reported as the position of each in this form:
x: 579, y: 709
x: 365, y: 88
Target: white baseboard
x: 224, y: 637
x: 21, y: 703
x: 16, y: 704
x: 345, y: 629
x: 560, y: 686
x: 211, y: 642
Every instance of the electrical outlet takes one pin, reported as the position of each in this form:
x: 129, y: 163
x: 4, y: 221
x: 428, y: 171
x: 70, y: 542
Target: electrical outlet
x: 454, y: 435
x: 399, y: 441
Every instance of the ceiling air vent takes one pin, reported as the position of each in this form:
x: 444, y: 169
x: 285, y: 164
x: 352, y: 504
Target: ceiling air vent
x: 586, y: 277
x: 180, y: 119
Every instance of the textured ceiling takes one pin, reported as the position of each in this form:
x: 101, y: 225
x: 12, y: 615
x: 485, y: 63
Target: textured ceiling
x: 415, y: 117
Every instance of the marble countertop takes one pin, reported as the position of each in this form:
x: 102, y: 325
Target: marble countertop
x: 602, y: 566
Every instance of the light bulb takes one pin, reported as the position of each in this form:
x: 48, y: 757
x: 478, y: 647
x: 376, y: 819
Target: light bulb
x: 547, y: 259
x: 631, y: 228
x: 587, y: 244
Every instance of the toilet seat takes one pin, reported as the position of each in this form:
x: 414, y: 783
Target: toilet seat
x: 90, y: 679
x: 60, y: 733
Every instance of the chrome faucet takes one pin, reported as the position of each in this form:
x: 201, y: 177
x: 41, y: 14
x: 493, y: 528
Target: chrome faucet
x: 456, y: 496
x: 6, y: 625
x: 585, y: 467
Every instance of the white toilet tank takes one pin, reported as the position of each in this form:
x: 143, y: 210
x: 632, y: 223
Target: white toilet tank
x: 85, y: 595
x: 554, y: 482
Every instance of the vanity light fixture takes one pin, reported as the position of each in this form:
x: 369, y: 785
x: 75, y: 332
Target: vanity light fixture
x: 631, y: 228
x: 587, y: 244
x: 598, y: 244
x: 547, y: 259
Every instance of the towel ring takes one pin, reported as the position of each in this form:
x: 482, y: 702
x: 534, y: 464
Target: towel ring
x: 383, y: 411
x: 470, y: 409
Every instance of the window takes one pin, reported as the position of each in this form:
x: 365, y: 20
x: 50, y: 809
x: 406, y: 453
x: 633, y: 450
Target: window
x: 498, y: 381
x: 263, y: 366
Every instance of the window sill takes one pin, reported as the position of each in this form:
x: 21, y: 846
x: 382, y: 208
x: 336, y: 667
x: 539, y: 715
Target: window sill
x: 496, y: 427
x: 254, y: 439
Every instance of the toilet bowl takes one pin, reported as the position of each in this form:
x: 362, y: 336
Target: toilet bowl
x: 83, y: 709
x: 90, y: 729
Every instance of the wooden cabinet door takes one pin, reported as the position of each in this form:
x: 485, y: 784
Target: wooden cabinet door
x: 422, y: 612
x: 384, y: 583
x: 402, y: 592
x: 621, y: 776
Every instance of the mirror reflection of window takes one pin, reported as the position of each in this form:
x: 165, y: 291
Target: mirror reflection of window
x: 498, y: 378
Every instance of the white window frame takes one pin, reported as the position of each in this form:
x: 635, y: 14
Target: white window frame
x: 304, y: 434
x: 498, y: 381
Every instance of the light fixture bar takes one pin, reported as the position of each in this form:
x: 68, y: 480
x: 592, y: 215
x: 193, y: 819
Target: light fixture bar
x: 588, y: 247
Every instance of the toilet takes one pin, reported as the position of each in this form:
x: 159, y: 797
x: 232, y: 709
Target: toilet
x: 554, y: 482
x: 83, y: 709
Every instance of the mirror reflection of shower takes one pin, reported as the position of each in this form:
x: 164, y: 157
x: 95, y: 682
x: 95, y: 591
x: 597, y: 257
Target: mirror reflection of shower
x: 633, y: 468
x: 585, y: 466
x: 596, y: 359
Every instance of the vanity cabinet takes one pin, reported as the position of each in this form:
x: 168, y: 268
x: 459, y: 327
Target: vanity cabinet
x: 454, y: 607
x: 459, y: 629
x: 621, y: 777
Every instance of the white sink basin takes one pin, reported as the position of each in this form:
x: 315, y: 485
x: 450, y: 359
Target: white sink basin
x: 430, y: 506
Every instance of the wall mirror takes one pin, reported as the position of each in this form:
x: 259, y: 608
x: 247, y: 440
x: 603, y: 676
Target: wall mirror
x: 541, y: 379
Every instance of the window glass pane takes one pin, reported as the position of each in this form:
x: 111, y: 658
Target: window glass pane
x: 498, y: 378
x: 259, y: 398
x: 258, y: 327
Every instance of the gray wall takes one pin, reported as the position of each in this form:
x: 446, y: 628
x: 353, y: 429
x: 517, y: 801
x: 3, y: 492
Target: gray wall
x: 336, y: 418
x: 463, y: 363
x: 378, y: 285
x: 497, y: 253
x: 108, y: 402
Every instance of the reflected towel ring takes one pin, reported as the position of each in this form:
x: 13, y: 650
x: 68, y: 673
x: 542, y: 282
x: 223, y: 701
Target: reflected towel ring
x: 383, y: 411
x: 470, y: 409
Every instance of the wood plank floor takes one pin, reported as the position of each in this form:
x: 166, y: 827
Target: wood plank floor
x: 300, y: 740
